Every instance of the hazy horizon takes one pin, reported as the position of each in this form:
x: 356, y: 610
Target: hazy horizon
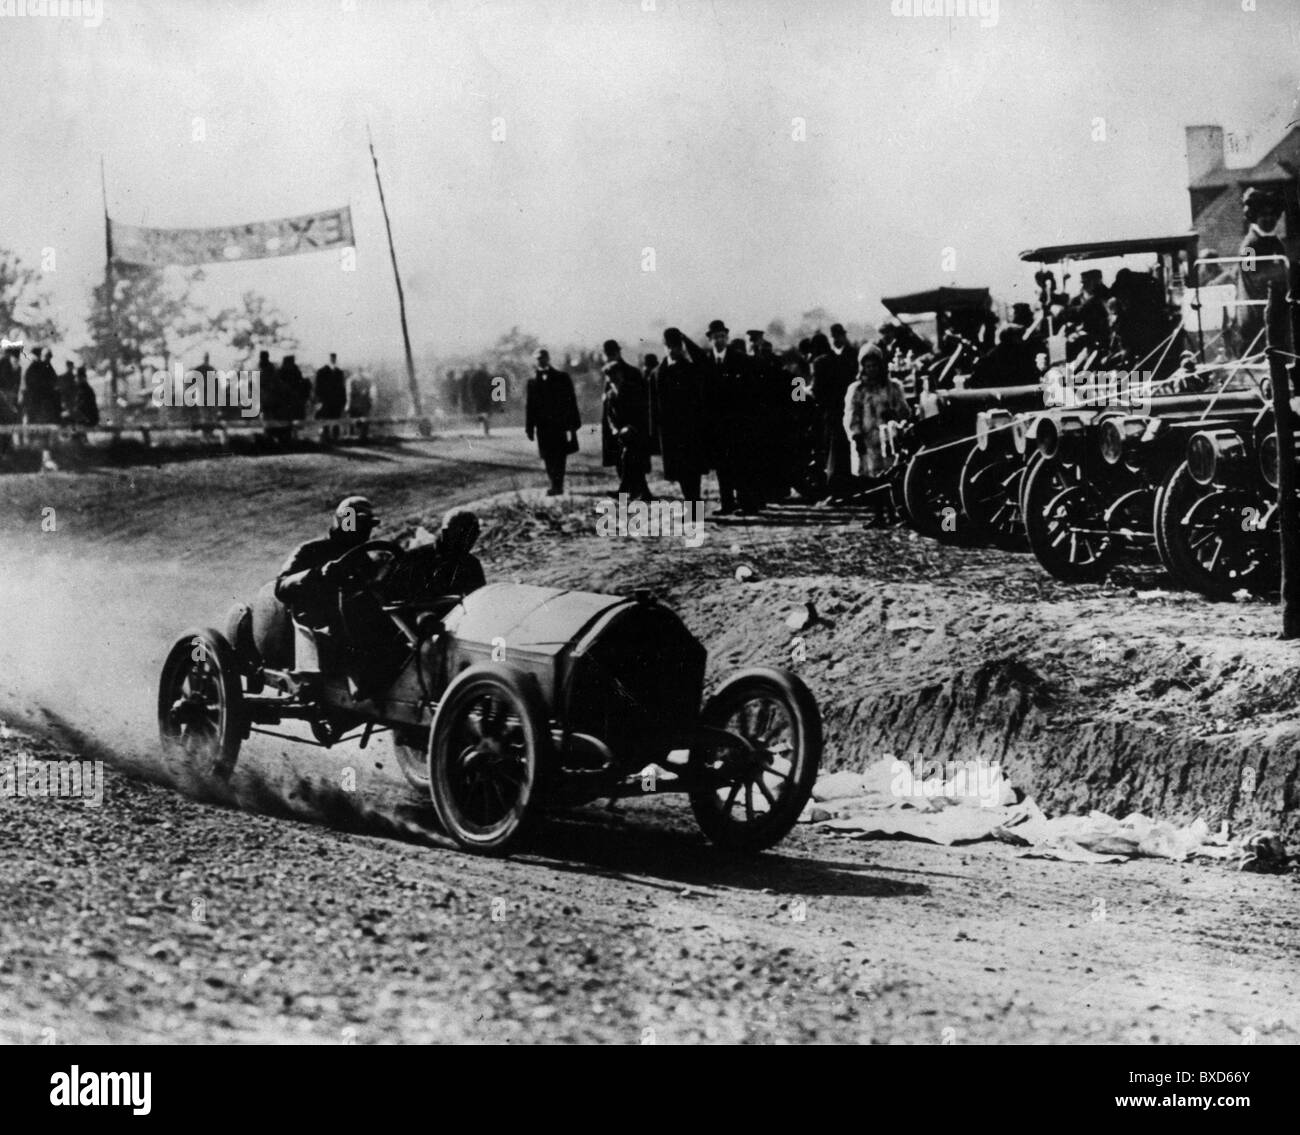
x: 532, y: 152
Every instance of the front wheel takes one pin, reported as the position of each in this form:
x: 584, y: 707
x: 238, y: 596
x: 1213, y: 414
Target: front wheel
x: 488, y: 748
x: 761, y: 774
x: 989, y: 490
x: 1211, y: 540
x: 1066, y: 526
x: 930, y: 491
x: 201, y: 713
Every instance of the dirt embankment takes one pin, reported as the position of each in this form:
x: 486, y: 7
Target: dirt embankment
x: 1123, y: 698
x: 623, y: 922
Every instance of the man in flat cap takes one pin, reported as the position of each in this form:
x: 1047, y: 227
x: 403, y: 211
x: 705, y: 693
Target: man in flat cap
x: 625, y: 423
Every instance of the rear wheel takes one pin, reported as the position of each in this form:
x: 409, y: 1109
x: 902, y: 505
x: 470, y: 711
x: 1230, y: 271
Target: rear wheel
x: 1066, y: 525
x: 763, y: 771
x: 488, y: 747
x: 201, y: 714
x: 1210, y: 541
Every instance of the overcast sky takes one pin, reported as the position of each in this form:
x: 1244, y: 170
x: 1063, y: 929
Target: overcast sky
x: 672, y: 129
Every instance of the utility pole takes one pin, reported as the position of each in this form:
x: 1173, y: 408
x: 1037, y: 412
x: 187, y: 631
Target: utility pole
x: 416, y: 407
x: 110, y: 286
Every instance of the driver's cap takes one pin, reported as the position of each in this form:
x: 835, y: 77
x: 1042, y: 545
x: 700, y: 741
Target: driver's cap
x: 355, y: 513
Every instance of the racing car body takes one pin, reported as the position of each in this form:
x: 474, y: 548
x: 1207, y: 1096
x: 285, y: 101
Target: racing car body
x: 511, y: 700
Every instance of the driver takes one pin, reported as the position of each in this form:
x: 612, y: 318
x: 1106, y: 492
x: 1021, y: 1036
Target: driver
x: 306, y: 584
x: 311, y: 584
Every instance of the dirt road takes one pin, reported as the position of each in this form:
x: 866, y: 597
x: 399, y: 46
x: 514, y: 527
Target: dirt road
x: 159, y: 916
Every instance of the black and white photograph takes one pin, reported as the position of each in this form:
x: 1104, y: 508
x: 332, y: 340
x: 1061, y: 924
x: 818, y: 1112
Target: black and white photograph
x: 650, y: 522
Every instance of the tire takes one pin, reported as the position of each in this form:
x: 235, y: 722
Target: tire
x: 782, y: 791
x: 1204, y: 542
x: 1056, y: 499
x: 201, y: 712
x: 989, y: 491
x: 930, y: 492
x: 488, y: 750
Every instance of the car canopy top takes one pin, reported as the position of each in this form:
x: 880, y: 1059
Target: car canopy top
x: 938, y: 299
x: 1100, y: 249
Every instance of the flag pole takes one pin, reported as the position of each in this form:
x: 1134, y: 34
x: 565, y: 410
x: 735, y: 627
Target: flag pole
x: 416, y: 407
x: 110, y: 285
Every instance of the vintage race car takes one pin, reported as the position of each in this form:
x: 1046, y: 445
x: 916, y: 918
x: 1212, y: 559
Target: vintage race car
x: 509, y: 701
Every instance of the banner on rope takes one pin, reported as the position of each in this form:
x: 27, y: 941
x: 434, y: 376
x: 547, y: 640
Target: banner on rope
x: 289, y: 236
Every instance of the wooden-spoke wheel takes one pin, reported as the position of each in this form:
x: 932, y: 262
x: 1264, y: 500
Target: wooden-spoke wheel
x: 759, y: 758
x: 201, y: 703
x: 1066, y: 526
x: 488, y: 747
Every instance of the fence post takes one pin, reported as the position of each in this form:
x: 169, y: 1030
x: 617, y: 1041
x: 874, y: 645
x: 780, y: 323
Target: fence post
x: 1276, y: 326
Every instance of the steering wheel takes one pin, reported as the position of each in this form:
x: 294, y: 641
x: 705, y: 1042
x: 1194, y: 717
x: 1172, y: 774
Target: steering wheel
x: 368, y: 558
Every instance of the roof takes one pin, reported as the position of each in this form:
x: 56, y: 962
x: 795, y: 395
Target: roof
x: 1271, y: 168
x: 938, y: 299
x: 1100, y: 249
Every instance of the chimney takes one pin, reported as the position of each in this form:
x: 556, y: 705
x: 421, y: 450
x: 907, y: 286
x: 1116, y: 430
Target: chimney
x: 1204, y: 151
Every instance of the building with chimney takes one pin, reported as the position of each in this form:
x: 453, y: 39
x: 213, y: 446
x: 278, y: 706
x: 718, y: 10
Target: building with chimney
x: 1215, y: 189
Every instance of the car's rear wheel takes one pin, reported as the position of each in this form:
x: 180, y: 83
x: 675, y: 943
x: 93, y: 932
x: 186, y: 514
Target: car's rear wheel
x: 201, y: 715
x: 488, y: 749
x: 761, y: 773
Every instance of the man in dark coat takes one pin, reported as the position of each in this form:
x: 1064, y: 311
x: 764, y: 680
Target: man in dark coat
x: 85, y: 407
x: 551, y: 416
x: 845, y: 353
x: 625, y: 423
x: 297, y: 388
x: 40, y: 392
x: 678, y: 414
x: 275, y: 400
x: 11, y: 380
x: 1010, y: 363
x: 829, y: 385
x: 731, y: 416
x: 331, y: 394
x: 67, y: 387
x: 773, y: 438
